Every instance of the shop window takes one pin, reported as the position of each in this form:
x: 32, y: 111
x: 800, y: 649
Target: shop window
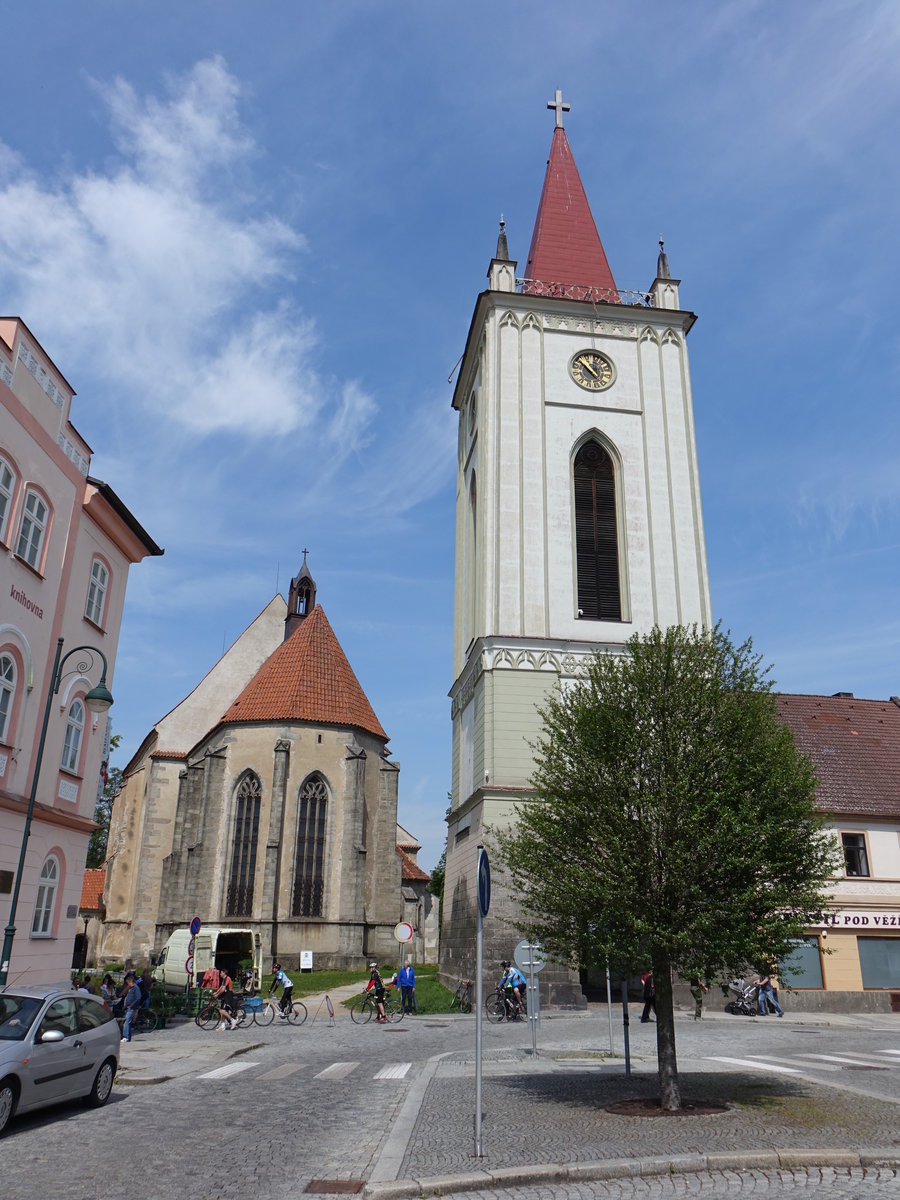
x: 802, y: 968
x: 879, y: 961
x: 856, y: 860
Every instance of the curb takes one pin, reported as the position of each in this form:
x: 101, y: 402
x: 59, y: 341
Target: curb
x: 621, y: 1168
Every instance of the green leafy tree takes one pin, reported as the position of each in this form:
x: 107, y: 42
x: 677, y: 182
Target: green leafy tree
x: 674, y: 821
x: 96, y: 855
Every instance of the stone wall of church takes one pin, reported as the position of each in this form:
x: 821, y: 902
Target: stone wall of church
x: 362, y: 899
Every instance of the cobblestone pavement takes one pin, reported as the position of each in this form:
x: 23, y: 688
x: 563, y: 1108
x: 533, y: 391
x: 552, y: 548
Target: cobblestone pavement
x: 263, y: 1112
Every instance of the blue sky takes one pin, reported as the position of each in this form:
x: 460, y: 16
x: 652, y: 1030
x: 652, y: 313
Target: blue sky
x: 252, y: 240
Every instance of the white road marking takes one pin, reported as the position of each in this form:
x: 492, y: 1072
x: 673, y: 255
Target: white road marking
x: 337, y: 1070
x: 282, y: 1072
x: 393, y: 1071
x: 856, y: 1061
x: 234, y: 1068
x: 776, y: 1058
x: 759, y: 1066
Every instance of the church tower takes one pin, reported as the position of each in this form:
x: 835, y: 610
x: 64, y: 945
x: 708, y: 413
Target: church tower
x: 578, y: 518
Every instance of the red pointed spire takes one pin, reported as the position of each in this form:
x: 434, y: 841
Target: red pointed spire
x: 566, y: 256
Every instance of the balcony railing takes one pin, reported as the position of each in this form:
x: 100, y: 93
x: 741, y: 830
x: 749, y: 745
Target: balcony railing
x: 583, y: 291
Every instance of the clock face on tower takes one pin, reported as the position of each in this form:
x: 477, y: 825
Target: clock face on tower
x: 592, y: 370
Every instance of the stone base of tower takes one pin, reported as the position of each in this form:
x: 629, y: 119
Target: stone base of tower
x: 469, y: 827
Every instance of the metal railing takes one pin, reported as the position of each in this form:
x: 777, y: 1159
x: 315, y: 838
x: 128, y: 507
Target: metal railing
x: 583, y: 291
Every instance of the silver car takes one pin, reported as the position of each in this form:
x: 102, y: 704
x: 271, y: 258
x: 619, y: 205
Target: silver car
x: 55, y: 1044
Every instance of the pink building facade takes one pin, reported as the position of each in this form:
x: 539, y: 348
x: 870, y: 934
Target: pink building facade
x: 66, y: 544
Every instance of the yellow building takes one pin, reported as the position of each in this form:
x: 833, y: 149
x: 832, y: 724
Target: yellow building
x: 852, y: 960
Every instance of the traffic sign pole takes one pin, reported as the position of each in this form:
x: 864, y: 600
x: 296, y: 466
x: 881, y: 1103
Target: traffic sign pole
x: 483, y: 879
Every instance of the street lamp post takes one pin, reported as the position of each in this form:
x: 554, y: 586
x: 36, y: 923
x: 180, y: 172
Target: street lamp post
x: 99, y: 699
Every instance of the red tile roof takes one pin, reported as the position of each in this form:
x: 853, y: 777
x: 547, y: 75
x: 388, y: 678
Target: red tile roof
x: 410, y: 871
x: 307, y: 678
x: 565, y: 246
x: 92, y: 889
x: 855, y: 747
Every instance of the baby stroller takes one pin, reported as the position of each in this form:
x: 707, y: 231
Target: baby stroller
x: 745, y: 999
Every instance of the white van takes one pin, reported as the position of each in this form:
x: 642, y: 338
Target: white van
x: 223, y: 948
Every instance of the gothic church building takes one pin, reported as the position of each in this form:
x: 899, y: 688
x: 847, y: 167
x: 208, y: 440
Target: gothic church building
x: 265, y: 799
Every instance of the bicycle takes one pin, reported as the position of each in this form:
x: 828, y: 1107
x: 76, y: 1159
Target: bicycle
x: 270, y: 1008
x: 145, y: 1021
x: 210, y: 1014
x: 366, y: 1006
x: 501, y: 1005
x: 462, y: 997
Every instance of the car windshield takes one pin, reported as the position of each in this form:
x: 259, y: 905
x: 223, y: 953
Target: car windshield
x: 16, y: 1016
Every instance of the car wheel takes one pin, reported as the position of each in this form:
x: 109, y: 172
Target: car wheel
x: 9, y: 1094
x: 103, y: 1084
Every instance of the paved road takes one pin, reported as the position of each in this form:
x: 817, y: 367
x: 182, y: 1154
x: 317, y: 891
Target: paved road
x: 265, y: 1111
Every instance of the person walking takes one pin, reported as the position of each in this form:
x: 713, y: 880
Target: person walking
x: 698, y: 987
x: 133, y: 1000
x: 767, y: 993
x: 406, y: 981
x: 649, y: 996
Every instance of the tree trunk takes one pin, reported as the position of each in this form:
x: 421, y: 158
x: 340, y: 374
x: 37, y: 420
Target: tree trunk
x: 669, y: 1091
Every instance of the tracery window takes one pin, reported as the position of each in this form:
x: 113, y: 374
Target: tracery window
x: 596, y: 535
x: 309, y: 875
x: 239, y: 896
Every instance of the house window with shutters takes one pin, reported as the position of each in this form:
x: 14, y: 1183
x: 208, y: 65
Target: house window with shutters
x: 309, y: 875
x: 597, y: 535
x: 239, y: 896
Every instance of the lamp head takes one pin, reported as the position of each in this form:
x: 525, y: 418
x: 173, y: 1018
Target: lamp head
x: 99, y: 699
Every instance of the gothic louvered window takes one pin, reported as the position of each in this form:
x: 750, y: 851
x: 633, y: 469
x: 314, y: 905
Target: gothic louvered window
x: 239, y: 898
x: 309, y: 883
x: 596, y: 535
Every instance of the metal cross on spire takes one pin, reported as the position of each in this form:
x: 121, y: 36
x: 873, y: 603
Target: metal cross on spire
x: 557, y: 103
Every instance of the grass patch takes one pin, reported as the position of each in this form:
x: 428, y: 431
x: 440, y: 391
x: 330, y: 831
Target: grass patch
x: 432, y: 997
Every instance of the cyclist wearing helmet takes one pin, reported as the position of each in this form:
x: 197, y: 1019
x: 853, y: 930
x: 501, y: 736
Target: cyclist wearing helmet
x: 512, y: 981
x: 376, y: 983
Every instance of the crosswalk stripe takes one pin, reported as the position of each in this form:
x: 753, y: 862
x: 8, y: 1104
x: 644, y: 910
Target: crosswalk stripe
x: 857, y: 1060
x: 337, y: 1070
x: 778, y: 1058
x: 392, y: 1071
x: 282, y: 1072
x: 759, y: 1066
x: 229, y: 1069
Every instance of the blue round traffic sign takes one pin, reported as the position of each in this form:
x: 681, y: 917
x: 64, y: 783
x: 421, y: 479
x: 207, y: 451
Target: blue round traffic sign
x: 195, y: 926
x: 484, y: 883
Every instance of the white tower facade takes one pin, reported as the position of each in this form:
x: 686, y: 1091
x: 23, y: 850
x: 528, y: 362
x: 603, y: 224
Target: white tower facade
x: 578, y: 515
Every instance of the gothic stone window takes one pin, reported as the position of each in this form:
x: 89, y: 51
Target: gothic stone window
x: 309, y: 884
x: 596, y: 535
x: 239, y: 897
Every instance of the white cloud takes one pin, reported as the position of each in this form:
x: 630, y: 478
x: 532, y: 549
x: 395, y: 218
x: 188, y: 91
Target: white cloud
x: 134, y: 273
